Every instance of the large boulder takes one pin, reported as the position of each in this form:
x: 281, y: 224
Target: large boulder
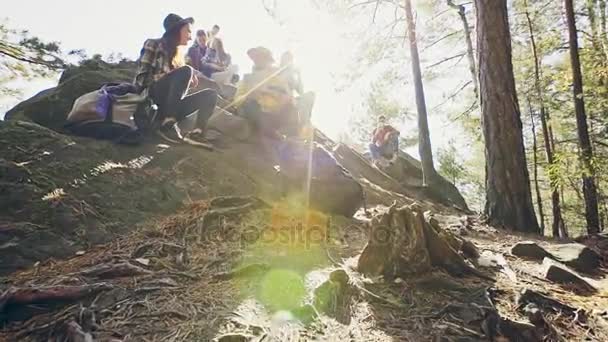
x: 529, y: 250
x: 561, y: 274
x: 313, y: 170
x: 576, y: 255
x: 50, y: 107
x: 408, y: 171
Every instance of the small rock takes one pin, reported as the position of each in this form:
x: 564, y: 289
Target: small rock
x: 398, y: 281
x: 529, y: 249
x: 305, y: 314
x: 143, y: 261
x: 577, y: 256
x: 80, y: 253
x: 559, y: 273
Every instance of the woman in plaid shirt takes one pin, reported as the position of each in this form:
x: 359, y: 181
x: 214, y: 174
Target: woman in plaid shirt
x: 162, y: 72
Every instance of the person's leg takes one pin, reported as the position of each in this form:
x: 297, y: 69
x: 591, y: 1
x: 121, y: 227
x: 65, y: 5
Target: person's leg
x: 169, y: 90
x: 305, y: 104
x: 202, y: 102
x: 374, y: 150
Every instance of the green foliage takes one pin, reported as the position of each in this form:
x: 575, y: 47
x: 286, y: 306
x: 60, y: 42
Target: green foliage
x: 449, y: 165
x: 25, y: 57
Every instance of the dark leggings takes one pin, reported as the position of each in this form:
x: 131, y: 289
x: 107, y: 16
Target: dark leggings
x: 169, y: 94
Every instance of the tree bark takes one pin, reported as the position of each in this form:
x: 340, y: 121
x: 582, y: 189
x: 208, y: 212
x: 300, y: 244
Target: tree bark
x: 469, y: 42
x: 539, y: 198
x: 589, y: 189
x: 558, y: 228
x: 424, y: 140
x: 508, y: 195
x: 603, y: 26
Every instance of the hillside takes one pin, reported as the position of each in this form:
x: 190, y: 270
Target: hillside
x: 173, y: 243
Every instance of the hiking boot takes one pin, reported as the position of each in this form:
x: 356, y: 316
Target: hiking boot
x: 170, y: 132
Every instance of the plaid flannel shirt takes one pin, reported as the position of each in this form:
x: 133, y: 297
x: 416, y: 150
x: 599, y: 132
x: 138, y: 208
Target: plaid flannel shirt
x: 153, y: 63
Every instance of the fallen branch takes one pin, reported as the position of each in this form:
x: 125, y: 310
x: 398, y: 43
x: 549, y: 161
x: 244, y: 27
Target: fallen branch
x: 27, y: 296
x: 111, y: 271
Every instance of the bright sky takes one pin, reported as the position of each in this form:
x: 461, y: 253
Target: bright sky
x: 316, y: 38
x: 122, y: 26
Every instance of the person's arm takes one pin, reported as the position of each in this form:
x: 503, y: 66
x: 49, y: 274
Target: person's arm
x: 145, y: 66
x: 374, y: 136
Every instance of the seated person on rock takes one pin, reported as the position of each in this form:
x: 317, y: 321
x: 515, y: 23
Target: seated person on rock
x: 304, y: 101
x: 265, y: 98
x: 163, y: 73
x: 385, y: 142
x: 194, y: 58
x: 215, y: 30
x: 217, y: 64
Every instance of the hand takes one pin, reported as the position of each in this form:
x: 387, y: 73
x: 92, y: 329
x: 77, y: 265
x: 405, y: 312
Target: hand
x: 194, y: 81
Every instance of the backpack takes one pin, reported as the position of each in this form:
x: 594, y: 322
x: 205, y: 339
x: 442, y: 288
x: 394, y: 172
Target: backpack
x: 115, y: 112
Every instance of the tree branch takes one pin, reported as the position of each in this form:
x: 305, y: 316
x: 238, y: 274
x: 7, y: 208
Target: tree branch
x: 460, y: 55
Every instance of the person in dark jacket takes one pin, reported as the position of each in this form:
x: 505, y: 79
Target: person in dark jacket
x: 197, y: 51
x: 163, y: 73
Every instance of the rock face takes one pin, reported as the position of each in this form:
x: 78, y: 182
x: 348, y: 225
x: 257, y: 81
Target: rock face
x: 561, y: 274
x: 50, y: 107
x: 310, y: 168
x: 61, y: 194
x: 408, y: 171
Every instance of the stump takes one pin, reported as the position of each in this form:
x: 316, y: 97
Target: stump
x: 404, y: 243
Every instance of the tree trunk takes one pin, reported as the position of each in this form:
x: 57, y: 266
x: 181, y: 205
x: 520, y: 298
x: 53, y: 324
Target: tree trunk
x: 558, y: 228
x: 539, y: 198
x: 469, y: 42
x: 603, y: 27
x: 424, y: 140
x: 589, y: 189
x: 508, y: 196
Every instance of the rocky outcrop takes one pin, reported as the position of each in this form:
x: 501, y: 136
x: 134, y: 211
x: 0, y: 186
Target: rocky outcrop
x: 50, y: 107
x: 61, y: 194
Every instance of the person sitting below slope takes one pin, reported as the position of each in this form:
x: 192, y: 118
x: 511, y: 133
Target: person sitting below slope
x: 265, y: 99
x: 163, y: 73
x: 304, y: 101
x: 385, y: 142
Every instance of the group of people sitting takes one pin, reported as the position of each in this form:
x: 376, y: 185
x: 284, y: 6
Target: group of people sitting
x: 182, y: 86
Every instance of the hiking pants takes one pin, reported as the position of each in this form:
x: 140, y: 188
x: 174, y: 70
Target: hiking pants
x: 388, y: 149
x: 169, y: 93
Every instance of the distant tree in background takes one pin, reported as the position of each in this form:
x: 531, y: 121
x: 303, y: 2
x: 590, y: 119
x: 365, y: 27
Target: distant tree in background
x: 25, y: 57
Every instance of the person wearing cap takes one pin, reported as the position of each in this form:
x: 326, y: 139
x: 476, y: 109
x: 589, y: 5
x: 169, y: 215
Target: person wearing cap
x: 163, y: 73
x: 385, y: 142
x: 265, y: 98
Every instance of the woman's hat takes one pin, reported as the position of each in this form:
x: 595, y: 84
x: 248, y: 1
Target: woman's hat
x: 174, y: 22
x: 260, y: 54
